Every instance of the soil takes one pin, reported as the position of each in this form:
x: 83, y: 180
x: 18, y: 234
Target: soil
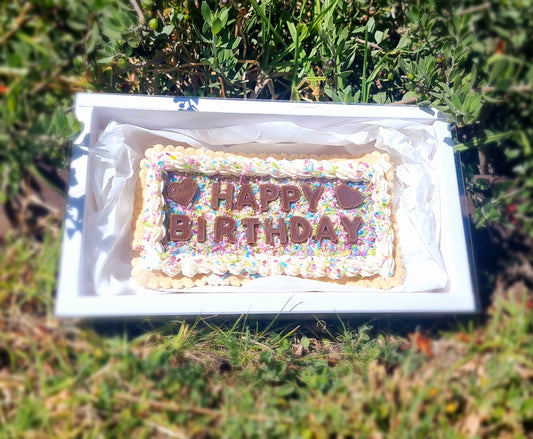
x: 39, y: 204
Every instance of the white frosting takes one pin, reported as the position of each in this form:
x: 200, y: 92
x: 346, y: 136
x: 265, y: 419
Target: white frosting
x: 157, y: 162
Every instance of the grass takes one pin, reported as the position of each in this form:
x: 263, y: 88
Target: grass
x: 243, y: 378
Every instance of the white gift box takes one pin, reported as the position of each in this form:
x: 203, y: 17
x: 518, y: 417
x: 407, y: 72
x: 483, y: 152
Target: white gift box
x: 94, y: 278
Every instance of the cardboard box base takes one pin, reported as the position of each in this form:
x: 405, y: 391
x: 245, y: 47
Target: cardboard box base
x: 76, y: 297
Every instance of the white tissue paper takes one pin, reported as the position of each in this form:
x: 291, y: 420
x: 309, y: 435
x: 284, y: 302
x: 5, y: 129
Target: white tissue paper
x: 114, y: 164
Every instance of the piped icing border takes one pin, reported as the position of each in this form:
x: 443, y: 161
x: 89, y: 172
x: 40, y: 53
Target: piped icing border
x: 372, y: 168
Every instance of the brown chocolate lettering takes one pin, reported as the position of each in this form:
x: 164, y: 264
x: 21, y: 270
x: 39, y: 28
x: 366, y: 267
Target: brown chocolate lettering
x: 270, y: 231
x: 289, y: 194
x: 217, y: 195
x: 312, y: 195
x: 351, y: 226
x: 267, y: 193
x: 251, y: 233
x: 300, y: 229
x: 180, y: 227
x: 348, y: 197
x: 183, y: 191
x: 200, y: 232
x: 225, y: 226
x: 326, y: 230
x: 246, y: 197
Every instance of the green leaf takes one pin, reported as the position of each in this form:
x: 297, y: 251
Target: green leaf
x: 292, y: 31
x: 94, y: 37
x: 105, y: 60
x: 303, y: 31
x: 380, y: 98
x: 216, y: 26
x: 112, y: 31
x: 134, y: 41
x: 409, y: 95
x: 14, y: 71
x: 77, y: 25
x: 223, y: 16
x: 343, y: 35
x: 474, y: 104
x: 168, y: 29
x: 11, y: 104
x: 525, y: 143
x: 59, y: 121
x: 371, y: 24
x: 206, y: 13
x: 235, y: 43
x: 456, y: 102
x: 404, y: 41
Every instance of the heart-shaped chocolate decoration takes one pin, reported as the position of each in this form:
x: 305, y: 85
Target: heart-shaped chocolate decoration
x: 348, y: 197
x: 183, y: 191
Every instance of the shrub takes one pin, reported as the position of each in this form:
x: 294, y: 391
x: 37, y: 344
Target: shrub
x: 471, y: 60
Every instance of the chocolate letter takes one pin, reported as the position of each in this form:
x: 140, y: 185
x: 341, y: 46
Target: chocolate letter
x: 267, y: 193
x: 251, y: 235
x: 289, y: 194
x: 300, y: 229
x: 270, y: 231
x: 217, y: 195
x: 246, y: 197
x: 348, y: 197
x: 351, y: 226
x: 325, y: 229
x: 200, y: 232
x: 312, y: 195
x: 180, y: 227
x: 182, y: 192
x: 224, y: 225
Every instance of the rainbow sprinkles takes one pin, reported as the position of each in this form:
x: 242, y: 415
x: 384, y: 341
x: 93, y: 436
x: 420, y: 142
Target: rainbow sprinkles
x: 206, y: 218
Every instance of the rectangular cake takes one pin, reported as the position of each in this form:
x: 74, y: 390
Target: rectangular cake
x: 215, y: 218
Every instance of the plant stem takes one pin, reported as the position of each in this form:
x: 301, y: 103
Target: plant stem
x: 365, y: 87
